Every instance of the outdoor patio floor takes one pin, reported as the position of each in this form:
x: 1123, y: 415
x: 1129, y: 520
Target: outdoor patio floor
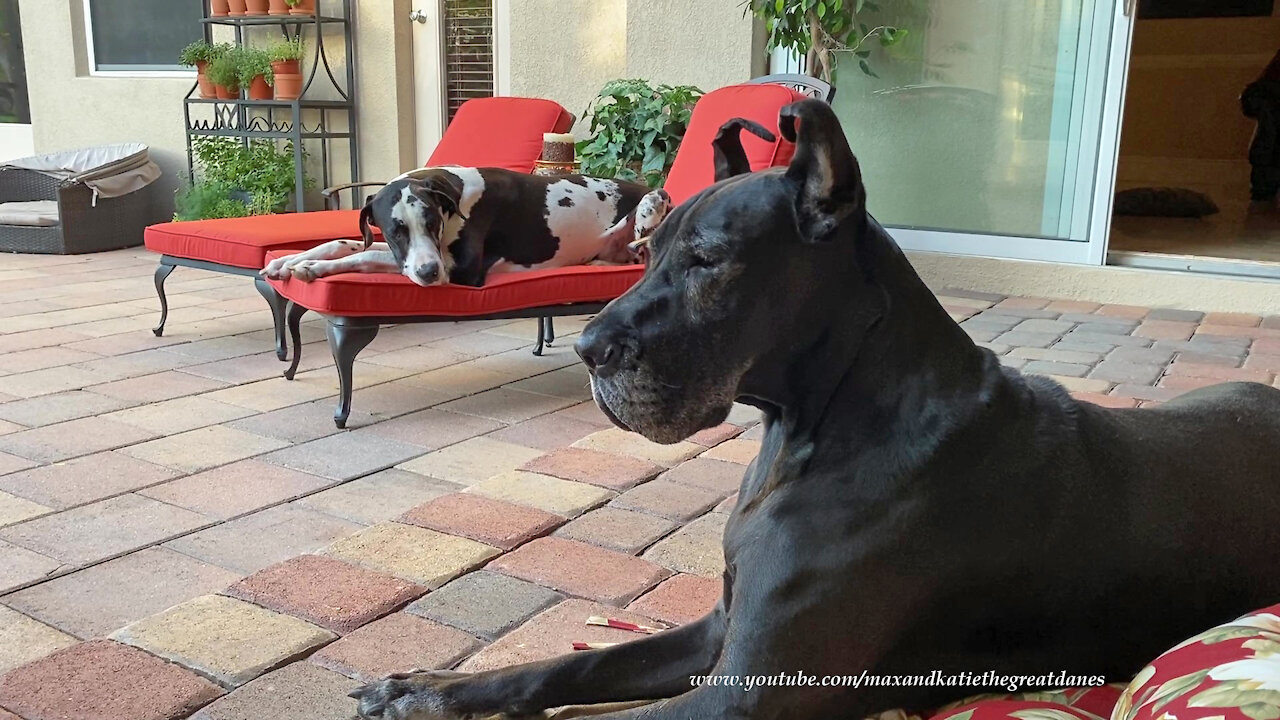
x: 182, y: 531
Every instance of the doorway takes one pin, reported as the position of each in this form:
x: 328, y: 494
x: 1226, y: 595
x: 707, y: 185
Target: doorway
x: 15, y: 111
x: 1184, y: 129
x: 454, y: 60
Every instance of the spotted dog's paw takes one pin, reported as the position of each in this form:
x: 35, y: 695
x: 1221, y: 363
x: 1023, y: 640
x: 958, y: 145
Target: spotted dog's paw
x: 305, y: 271
x: 277, y: 269
x: 650, y: 213
x: 417, y: 695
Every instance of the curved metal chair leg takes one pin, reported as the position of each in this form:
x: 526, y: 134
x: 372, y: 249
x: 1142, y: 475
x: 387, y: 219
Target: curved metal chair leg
x: 551, y: 329
x: 542, y: 336
x: 345, y: 342
x: 294, y: 313
x: 277, y: 303
x: 162, y: 273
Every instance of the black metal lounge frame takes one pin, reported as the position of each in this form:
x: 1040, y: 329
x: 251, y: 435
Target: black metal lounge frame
x: 349, y: 335
x: 274, y: 300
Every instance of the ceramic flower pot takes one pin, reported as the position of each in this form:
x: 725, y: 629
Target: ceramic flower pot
x: 279, y: 7
x: 260, y: 90
x: 286, y: 67
x: 228, y: 93
x: 257, y: 7
x: 288, y: 87
x: 220, y: 8
x: 306, y: 7
x: 237, y: 8
x: 207, y: 89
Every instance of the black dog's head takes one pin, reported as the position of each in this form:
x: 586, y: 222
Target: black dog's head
x: 411, y: 212
x: 733, y: 274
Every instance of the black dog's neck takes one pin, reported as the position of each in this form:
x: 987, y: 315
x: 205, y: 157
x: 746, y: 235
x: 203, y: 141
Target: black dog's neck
x: 885, y: 360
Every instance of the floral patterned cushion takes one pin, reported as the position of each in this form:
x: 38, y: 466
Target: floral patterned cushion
x: 1070, y: 704
x: 1231, y: 672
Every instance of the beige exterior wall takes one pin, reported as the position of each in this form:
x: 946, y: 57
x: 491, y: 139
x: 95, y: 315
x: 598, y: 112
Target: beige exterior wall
x: 566, y: 50
x: 560, y: 49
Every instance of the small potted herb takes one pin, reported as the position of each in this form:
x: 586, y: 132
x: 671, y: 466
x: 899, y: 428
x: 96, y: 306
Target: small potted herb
x: 255, y: 74
x: 301, y: 7
x: 286, y: 66
x: 224, y: 73
x: 198, y: 55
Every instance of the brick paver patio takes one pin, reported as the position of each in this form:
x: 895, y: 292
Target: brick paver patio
x: 184, y: 533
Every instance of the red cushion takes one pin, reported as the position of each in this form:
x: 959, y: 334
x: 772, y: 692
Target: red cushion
x: 244, y: 242
x: 1231, y: 672
x: 357, y: 295
x: 694, y: 168
x: 502, y: 132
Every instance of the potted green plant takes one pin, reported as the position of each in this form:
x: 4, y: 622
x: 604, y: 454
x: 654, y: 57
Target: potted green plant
x: 824, y: 30
x: 255, y: 74
x: 207, y: 200
x: 219, y: 8
x: 258, y: 175
x: 278, y: 7
x: 224, y: 73
x: 238, y: 8
x: 198, y: 55
x: 301, y: 7
x: 636, y: 130
x: 256, y: 7
x: 286, y: 66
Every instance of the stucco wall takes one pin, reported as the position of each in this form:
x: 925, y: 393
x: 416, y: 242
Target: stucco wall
x: 567, y: 49
x: 70, y: 108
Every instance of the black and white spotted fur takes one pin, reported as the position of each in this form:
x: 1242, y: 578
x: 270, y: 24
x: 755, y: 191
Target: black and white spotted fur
x: 456, y: 224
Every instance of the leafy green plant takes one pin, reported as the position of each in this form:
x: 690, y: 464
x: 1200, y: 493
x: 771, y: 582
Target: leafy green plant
x: 201, y: 51
x: 261, y: 168
x: 225, y: 71
x: 636, y: 130
x: 286, y: 50
x: 206, y: 200
x: 820, y: 29
x: 251, y: 63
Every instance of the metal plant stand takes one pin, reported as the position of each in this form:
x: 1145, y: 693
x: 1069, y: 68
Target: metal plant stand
x: 306, y: 121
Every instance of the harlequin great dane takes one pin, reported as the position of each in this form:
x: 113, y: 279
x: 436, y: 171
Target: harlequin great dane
x: 915, y: 505
x: 456, y: 224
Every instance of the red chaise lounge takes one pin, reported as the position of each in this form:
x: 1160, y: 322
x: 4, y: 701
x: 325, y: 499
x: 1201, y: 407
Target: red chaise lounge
x: 356, y: 305
x: 501, y: 132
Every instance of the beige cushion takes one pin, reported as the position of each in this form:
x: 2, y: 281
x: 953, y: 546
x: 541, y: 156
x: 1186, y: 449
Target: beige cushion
x: 35, y: 213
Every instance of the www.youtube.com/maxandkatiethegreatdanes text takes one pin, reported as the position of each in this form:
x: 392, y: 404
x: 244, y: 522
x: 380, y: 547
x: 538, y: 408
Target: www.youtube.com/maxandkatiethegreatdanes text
x: 937, y: 678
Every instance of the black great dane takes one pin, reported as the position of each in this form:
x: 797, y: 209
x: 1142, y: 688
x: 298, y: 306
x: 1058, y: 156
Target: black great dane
x: 915, y: 506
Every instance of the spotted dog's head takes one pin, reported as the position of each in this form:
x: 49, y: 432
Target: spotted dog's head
x: 733, y: 280
x: 412, y: 213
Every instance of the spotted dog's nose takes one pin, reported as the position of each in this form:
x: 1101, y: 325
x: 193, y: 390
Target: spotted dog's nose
x: 428, y: 272
x: 599, y: 351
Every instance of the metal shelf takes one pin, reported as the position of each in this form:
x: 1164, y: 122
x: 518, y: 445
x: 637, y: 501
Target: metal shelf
x: 308, y: 123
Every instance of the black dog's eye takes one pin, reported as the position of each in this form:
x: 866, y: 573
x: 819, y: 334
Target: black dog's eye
x: 697, y: 260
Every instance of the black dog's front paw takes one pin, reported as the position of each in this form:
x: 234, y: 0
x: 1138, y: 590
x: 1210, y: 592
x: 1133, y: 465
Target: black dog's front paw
x: 418, y: 695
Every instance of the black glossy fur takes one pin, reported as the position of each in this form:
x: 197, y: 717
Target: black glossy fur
x: 915, y: 505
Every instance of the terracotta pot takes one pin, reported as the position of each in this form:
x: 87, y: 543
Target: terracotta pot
x: 279, y: 7
x: 260, y: 90
x: 220, y: 8
x: 257, y: 7
x: 228, y: 93
x: 288, y: 87
x: 207, y: 90
x: 237, y: 8
x: 286, y: 67
x: 306, y: 7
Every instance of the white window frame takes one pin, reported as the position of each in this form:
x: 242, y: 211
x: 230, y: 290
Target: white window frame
x: 93, y: 60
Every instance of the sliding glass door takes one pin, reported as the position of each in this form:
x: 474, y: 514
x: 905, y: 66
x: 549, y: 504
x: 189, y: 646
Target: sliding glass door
x: 992, y: 129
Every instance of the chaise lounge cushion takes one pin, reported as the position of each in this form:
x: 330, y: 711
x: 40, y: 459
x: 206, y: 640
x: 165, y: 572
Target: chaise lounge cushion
x: 244, y: 242
x: 694, y: 167
x: 357, y: 295
x: 502, y: 132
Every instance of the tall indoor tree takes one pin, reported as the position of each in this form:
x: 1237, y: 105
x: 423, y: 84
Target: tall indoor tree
x: 818, y: 29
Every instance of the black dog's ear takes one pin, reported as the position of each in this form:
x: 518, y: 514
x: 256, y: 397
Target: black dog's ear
x: 731, y: 159
x: 366, y: 223
x: 823, y: 169
x: 442, y: 191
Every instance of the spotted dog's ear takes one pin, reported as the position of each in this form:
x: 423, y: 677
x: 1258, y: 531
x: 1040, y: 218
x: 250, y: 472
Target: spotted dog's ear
x: 443, y: 192
x: 731, y: 159
x: 823, y: 169
x: 366, y: 223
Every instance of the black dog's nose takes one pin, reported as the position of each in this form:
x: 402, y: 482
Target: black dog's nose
x: 428, y: 272
x: 598, y: 351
